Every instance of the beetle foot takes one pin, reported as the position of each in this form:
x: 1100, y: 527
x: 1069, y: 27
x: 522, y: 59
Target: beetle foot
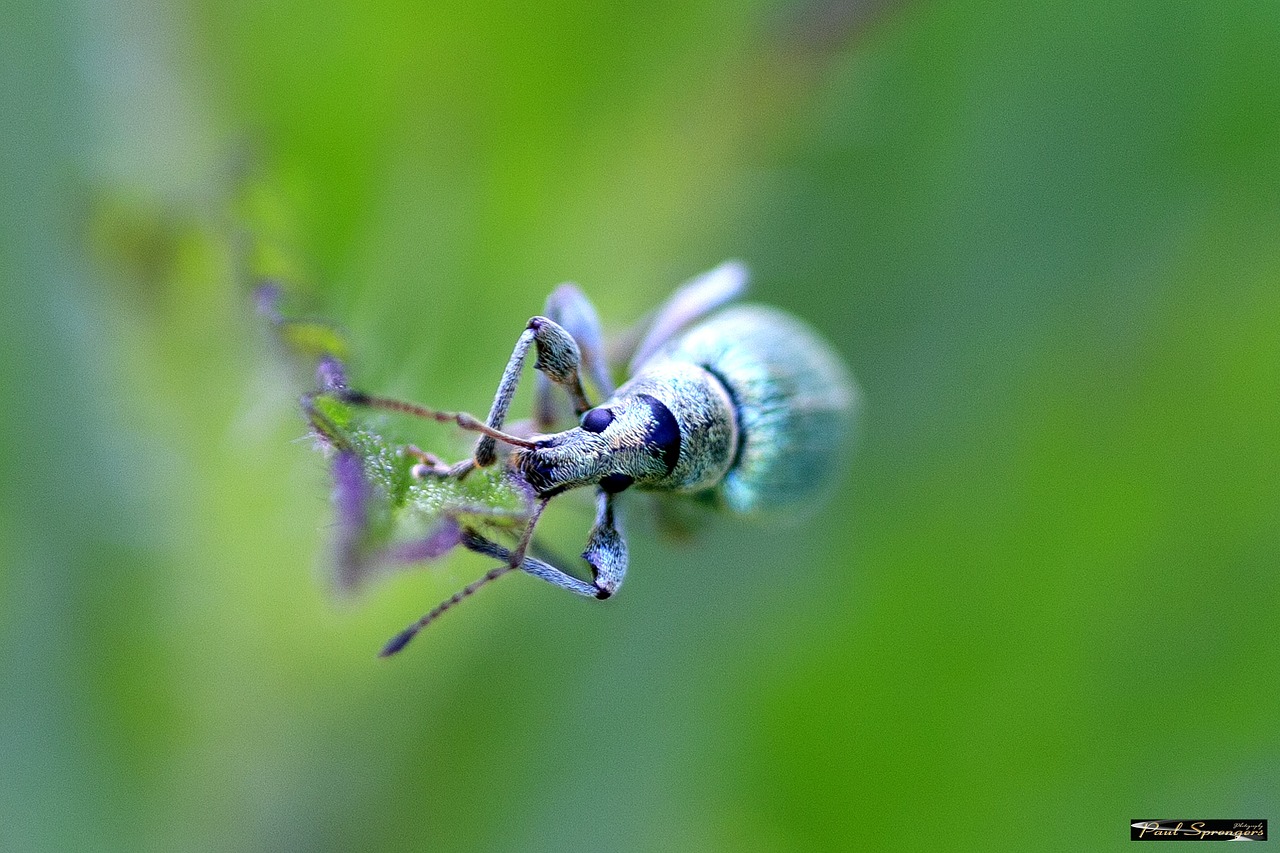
x: 430, y: 465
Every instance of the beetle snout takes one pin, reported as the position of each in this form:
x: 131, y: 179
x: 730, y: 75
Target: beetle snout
x: 562, y: 461
x: 537, y: 470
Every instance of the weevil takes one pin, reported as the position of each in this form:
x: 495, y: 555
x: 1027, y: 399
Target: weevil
x: 742, y: 406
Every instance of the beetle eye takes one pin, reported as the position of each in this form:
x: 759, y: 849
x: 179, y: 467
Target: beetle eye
x: 596, y: 420
x: 663, y: 433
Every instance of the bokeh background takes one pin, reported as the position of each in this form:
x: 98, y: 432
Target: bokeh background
x: 1046, y: 237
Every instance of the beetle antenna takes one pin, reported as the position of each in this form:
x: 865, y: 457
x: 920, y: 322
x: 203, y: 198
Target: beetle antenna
x: 513, y: 561
x: 399, y: 641
x: 462, y: 419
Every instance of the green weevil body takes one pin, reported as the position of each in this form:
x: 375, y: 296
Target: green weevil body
x: 791, y: 406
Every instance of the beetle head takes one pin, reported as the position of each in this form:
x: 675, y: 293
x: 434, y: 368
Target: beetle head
x: 626, y: 440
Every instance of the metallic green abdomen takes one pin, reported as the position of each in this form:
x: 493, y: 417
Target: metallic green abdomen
x: 794, y: 400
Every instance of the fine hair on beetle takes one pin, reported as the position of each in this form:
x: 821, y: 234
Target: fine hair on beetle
x: 743, y: 405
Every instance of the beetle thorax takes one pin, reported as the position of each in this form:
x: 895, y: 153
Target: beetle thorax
x: 705, y: 414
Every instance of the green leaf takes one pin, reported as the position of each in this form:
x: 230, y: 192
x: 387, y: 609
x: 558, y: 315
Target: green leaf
x: 390, y: 512
x: 387, y: 516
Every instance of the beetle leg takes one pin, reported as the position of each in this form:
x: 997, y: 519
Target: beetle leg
x: 558, y: 360
x: 693, y: 300
x: 568, y: 306
x: 511, y: 560
x: 428, y: 464
x: 606, y: 547
x: 606, y: 553
x: 532, y: 565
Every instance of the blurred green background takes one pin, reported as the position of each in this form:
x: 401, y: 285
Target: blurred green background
x: 1046, y: 237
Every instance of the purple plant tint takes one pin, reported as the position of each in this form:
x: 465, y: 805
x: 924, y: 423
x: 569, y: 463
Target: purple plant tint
x: 267, y: 297
x: 330, y: 373
x: 441, y: 541
x: 351, y: 495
